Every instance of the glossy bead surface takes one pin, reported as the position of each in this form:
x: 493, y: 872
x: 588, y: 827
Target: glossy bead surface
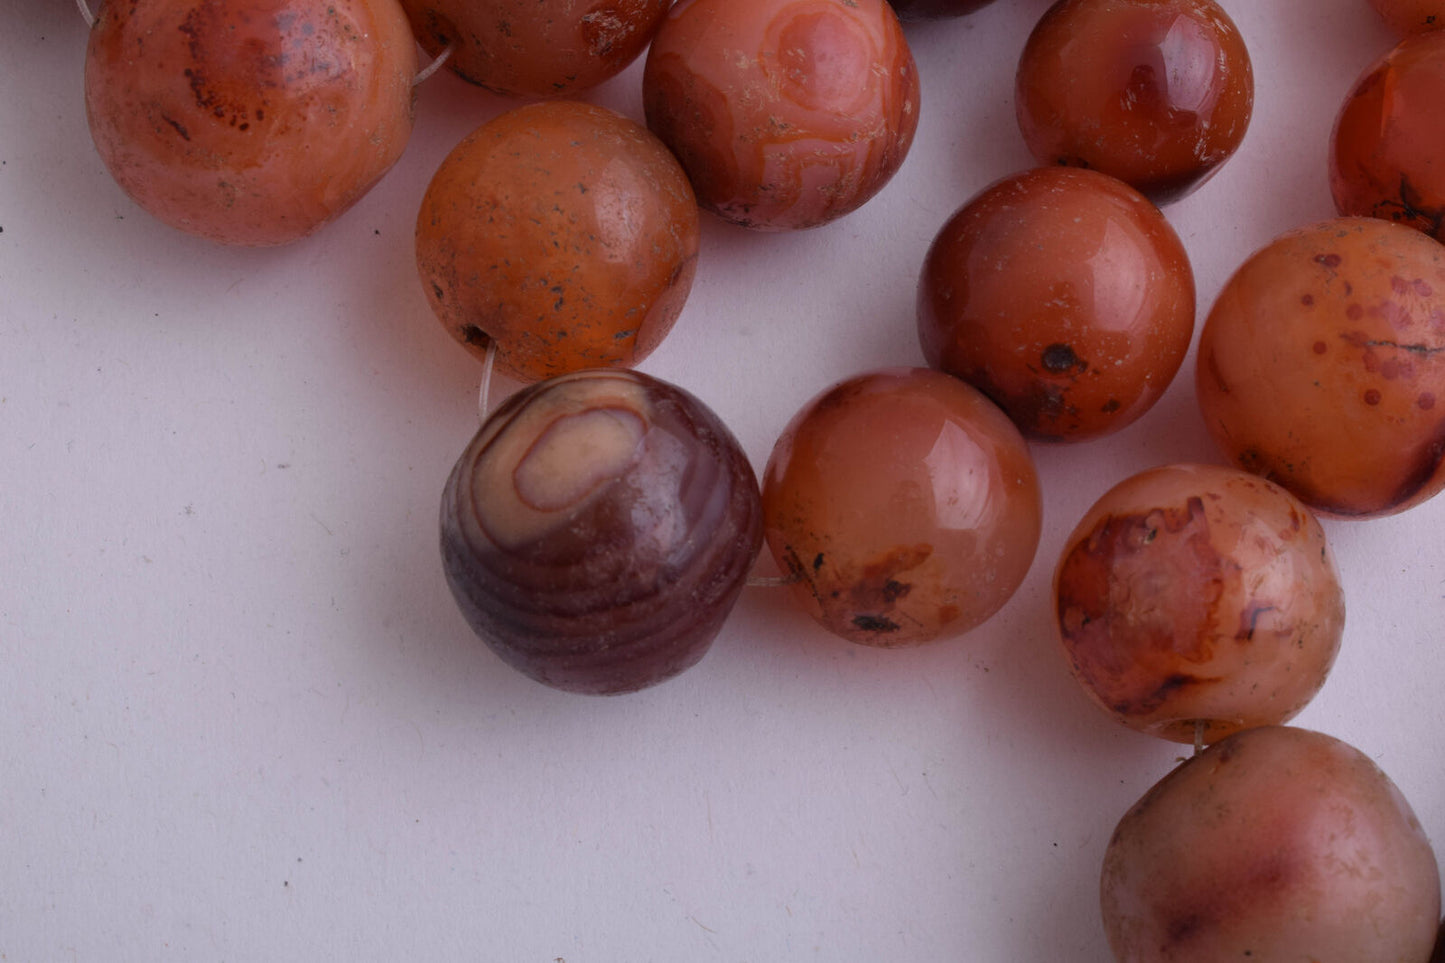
x: 1387, y: 150
x: 1322, y: 366
x: 1157, y: 93
x: 1411, y: 16
x: 1276, y: 843
x: 249, y: 122
x: 563, y: 232
x: 1198, y: 594
x: 936, y: 9
x: 785, y: 113
x: 526, y: 48
x: 598, y: 529
x: 905, y: 504
x: 1062, y: 294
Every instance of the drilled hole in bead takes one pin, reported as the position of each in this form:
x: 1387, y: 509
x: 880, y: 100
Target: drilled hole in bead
x: 1196, y: 732
x: 472, y: 335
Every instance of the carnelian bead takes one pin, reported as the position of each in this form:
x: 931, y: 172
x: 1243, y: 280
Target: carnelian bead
x: 1387, y: 151
x: 1157, y: 93
x: 1274, y: 844
x: 1321, y: 366
x: 1196, y: 600
x: 1062, y: 294
x: 527, y: 48
x: 904, y: 504
x: 563, y: 234
x: 786, y: 114
x: 249, y: 122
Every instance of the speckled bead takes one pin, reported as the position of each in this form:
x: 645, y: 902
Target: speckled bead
x: 561, y: 232
x: 1321, y: 366
x: 252, y: 122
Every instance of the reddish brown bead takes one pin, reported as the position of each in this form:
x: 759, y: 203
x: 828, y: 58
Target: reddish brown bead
x: 1387, y: 156
x: 562, y: 232
x: 1062, y: 294
x: 527, y: 48
x: 1157, y: 93
x: 785, y: 113
x: 1322, y: 366
x: 1411, y: 16
x: 598, y: 529
x: 250, y: 122
x: 1273, y: 844
x: 936, y: 9
x: 1196, y: 600
x: 905, y: 504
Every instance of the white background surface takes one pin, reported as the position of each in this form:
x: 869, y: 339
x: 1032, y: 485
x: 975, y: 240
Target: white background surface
x: 241, y: 718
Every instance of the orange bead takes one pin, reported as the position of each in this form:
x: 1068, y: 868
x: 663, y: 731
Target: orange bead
x: 1387, y: 151
x: 906, y: 506
x: 1063, y: 295
x: 1322, y: 366
x: 561, y: 232
x: 786, y: 113
x: 249, y: 122
x: 1197, y: 599
x: 1157, y: 93
x: 527, y: 48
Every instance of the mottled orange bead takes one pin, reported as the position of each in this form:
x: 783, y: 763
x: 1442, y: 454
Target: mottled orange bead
x: 1062, y: 294
x: 562, y: 233
x: 1322, y: 366
x: 1196, y: 600
x: 250, y: 122
x: 1274, y: 844
x: 904, y: 504
x: 1411, y: 16
x: 1157, y: 93
x: 527, y: 48
x: 1387, y: 150
x: 785, y: 113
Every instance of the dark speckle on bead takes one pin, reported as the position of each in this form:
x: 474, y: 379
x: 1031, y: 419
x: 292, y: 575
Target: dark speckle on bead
x: 1059, y: 358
